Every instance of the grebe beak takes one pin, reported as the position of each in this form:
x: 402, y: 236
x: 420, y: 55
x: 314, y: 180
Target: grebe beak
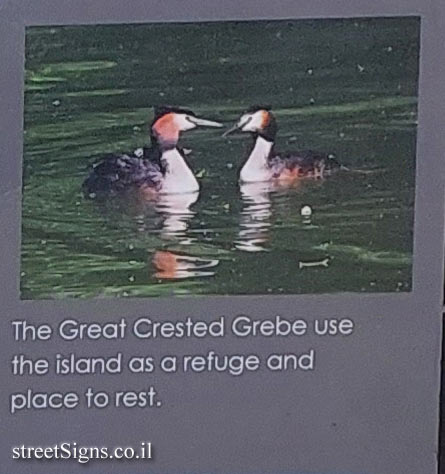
x: 238, y: 126
x: 205, y: 123
x: 233, y: 129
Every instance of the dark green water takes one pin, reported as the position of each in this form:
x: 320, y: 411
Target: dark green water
x: 344, y: 86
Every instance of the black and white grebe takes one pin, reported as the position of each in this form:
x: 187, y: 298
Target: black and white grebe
x: 266, y: 164
x: 158, y: 169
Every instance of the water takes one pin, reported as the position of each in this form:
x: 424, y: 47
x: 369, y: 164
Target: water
x: 343, y: 86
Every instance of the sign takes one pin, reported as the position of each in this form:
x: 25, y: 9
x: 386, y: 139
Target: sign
x: 222, y: 236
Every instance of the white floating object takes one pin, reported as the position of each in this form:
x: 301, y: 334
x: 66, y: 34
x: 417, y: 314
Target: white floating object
x: 320, y: 263
x: 306, y: 211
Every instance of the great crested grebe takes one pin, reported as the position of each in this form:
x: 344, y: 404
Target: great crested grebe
x: 158, y: 169
x: 265, y: 164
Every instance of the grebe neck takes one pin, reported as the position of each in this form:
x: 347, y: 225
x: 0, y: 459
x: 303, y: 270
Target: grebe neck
x: 178, y: 177
x: 257, y: 167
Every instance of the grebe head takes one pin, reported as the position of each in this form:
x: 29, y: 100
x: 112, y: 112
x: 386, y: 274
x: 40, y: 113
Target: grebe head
x: 257, y: 120
x: 169, y: 122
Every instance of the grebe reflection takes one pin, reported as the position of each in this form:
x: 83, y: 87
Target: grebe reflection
x: 176, y: 266
x: 170, y: 264
x: 255, y: 217
x: 176, y: 213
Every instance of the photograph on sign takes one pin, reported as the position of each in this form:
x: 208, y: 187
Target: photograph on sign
x: 219, y: 158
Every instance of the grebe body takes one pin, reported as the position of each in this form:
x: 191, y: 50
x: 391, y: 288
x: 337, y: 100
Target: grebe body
x: 266, y: 164
x: 159, y: 169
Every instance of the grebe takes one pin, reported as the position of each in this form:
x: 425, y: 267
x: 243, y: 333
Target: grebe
x: 158, y: 169
x: 265, y: 164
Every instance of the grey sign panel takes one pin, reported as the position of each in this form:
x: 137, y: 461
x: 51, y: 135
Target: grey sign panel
x: 364, y: 246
